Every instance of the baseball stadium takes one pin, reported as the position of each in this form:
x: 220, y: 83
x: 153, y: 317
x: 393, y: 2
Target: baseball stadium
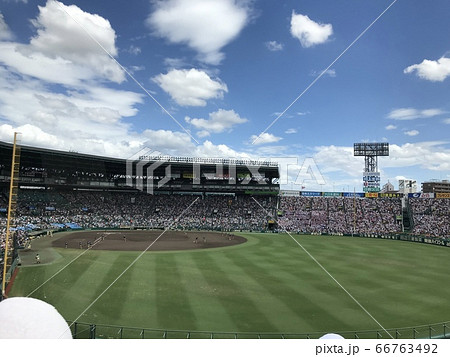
x: 182, y: 247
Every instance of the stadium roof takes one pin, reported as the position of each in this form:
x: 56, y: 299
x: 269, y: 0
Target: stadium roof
x: 59, y: 160
x: 53, y: 167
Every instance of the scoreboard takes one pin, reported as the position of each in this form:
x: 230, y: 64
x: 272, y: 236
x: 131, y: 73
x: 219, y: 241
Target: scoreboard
x: 371, y: 181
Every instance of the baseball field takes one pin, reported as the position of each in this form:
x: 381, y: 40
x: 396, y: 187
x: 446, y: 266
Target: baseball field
x: 248, y: 282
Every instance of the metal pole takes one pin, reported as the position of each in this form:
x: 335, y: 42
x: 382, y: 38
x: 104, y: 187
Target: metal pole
x: 354, y: 211
x: 8, y: 222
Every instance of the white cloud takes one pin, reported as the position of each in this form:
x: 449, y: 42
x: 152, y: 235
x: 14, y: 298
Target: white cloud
x: 122, y: 101
x: 205, y: 26
x: 5, y: 32
x: 208, y: 149
x: 390, y: 127
x: 447, y: 121
x: 412, y: 132
x: 427, y: 113
x: 61, y: 33
x: 431, y: 155
x: 134, y: 50
x: 218, y: 122
x: 190, y: 87
x: 400, y: 177
x: 167, y: 141
x: 133, y: 69
x: 291, y: 131
x: 174, y: 62
x: 84, y: 115
x: 435, y: 71
x: 87, y: 122
x: 20, y: 59
x: 285, y: 115
x: 338, y: 159
x: 329, y: 72
x: 120, y: 143
x: 30, y: 134
x: 61, y: 52
x: 264, y: 138
x: 85, y: 119
x: 308, y: 32
x: 412, y: 113
x: 274, y: 46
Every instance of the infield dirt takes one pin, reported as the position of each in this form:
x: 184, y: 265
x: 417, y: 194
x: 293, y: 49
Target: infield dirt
x: 140, y: 240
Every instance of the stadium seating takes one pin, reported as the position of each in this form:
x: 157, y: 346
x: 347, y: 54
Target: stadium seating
x: 329, y: 215
x: 97, y: 209
x: 335, y: 215
x: 431, y: 216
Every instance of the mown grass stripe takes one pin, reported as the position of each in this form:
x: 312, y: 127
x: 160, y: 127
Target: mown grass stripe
x: 202, y: 295
x: 173, y: 308
x: 66, y: 276
x: 110, y: 306
x: 75, y: 295
x: 240, y: 308
x: 299, y: 298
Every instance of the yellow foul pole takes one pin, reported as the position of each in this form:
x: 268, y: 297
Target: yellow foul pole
x: 13, y: 187
x: 354, y: 211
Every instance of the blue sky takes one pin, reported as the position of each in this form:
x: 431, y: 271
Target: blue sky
x: 211, y: 78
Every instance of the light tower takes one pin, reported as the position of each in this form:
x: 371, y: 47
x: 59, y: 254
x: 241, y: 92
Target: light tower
x: 371, y: 151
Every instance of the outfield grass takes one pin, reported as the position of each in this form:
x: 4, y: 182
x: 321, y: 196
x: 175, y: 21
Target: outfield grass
x: 268, y: 284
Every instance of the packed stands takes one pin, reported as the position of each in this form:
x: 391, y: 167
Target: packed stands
x: 103, y: 209
x: 335, y: 215
x: 431, y: 216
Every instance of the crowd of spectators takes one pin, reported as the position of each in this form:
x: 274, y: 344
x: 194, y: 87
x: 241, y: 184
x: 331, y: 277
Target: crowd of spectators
x: 340, y: 215
x: 48, y: 209
x: 431, y: 216
x: 90, y: 209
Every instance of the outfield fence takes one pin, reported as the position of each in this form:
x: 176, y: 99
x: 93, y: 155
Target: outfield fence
x: 82, y: 330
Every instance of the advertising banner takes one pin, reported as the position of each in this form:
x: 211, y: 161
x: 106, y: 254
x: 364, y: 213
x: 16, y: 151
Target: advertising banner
x: 353, y: 194
x: 391, y: 195
x: 332, y: 194
x: 371, y: 189
x: 421, y: 195
x: 443, y: 195
x: 311, y: 194
x: 290, y: 193
x: 372, y: 194
x: 371, y: 176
